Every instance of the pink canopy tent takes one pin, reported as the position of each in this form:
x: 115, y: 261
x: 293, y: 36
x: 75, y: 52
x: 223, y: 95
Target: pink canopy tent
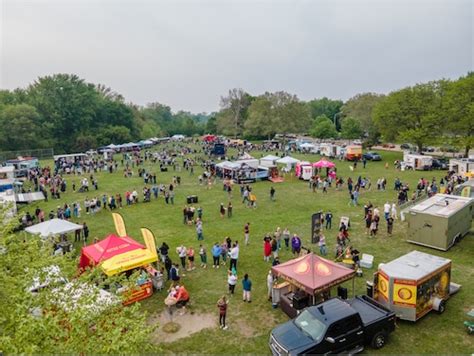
x: 324, y: 164
x: 312, y: 273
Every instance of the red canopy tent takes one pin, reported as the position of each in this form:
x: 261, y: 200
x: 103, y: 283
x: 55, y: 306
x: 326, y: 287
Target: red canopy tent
x: 312, y: 273
x: 111, y: 246
x: 209, y: 138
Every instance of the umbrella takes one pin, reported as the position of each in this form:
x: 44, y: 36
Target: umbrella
x: 324, y: 164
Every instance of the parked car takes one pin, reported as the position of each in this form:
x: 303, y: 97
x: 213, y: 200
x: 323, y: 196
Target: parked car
x: 334, y: 326
x: 428, y: 149
x: 439, y: 163
x: 372, y: 156
x: 405, y: 146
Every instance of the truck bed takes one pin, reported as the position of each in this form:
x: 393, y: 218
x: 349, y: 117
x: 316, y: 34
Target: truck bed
x: 370, y: 311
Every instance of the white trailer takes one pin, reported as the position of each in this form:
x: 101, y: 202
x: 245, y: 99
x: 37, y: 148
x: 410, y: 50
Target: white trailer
x: 416, y: 162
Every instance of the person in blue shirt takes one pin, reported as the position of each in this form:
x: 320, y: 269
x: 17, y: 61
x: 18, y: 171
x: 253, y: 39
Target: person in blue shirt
x: 247, y: 287
x: 328, y: 220
x: 216, y: 254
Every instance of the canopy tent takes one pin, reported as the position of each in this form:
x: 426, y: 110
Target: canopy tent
x: 312, y: 273
x: 288, y: 160
x: 53, y: 227
x: 324, y: 164
x: 127, y: 261
x: 107, y: 248
x: 228, y: 165
x: 245, y: 156
x: 269, y: 158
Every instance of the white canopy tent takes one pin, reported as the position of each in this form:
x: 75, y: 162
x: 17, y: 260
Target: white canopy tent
x: 289, y: 161
x: 268, y: 160
x: 53, y: 227
x: 245, y: 156
x: 307, y: 145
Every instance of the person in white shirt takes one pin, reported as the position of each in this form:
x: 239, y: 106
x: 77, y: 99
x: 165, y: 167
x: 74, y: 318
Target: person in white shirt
x: 182, y: 253
x: 234, y: 256
x: 231, y: 281
x: 270, y: 281
x: 386, y: 210
x: 394, y: 212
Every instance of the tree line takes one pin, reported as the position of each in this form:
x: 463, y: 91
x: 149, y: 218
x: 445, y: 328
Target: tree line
x: 65, y: 112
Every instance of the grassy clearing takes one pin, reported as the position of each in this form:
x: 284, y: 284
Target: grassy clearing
x: 250, y: 324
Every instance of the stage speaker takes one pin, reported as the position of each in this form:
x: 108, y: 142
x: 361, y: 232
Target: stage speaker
x: 342, y: 292
x: 300, y: 300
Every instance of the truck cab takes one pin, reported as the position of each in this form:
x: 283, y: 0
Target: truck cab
x: 334, y: 326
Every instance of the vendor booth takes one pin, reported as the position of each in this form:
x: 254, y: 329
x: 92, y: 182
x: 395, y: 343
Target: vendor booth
x: 308, y: 281
x: 290, y: 162
x: 122, y: 254
x: 269, y: 160
x: 304, y: 170
x: 55, y: 227
x: 414, y: 284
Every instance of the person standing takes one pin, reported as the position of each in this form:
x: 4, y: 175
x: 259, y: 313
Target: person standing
x: 222, y: 210
x: 267, y: 248
x: 229, y: 210
x: 247, y: 288
x: 231, y: 281
x: 328, y: 218
x: 393, y: 212
x: 203, y: 256
x: 199, y: 230
x: 222, y: 305
x: 85, y: 231
x: 234, y: 256
x: 322, y: 245
x: 182, y: 253
x: 190, y: 254
x: 270, y: 281
x: 216, y: 254
x: 389, y: 225
x: 286, y: 238
x: 296, y: 245
x: 247, y: 233
x: 386, y: 210
x: 168, y: 265
x: 163, y: 249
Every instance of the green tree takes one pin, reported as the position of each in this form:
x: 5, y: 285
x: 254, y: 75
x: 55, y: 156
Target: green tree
x: 52, y: 322
x: 324, y: 106
x: 113, y: 134
x: 360, y: 107
x: 22, y: 122
x: 324, y: 128
x: 211, y: 125
x: 261, y: 118
x: 411, y: 114
x: 234, y: 106
x: 351, y: 128
x: 458, y: 112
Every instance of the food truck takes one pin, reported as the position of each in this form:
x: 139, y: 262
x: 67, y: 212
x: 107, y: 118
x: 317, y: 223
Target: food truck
x: 328, y: 150
x: 414, y: 284
x: 304, y: 170
x: 440, y: 221
x: 462, y: 166
x: 354, y: 153
x: 416, y: 162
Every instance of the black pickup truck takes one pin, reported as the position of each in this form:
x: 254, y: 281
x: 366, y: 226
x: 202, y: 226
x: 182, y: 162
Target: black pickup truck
x: 334, y: 326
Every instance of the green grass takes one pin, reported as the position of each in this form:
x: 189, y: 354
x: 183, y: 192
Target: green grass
x: 250, y: 324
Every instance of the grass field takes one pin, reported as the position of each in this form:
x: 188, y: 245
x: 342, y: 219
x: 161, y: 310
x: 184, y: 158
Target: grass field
x: 250, y: 324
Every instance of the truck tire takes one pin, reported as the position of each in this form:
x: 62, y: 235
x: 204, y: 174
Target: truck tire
x: 442, y: 307
x: 379, y: 340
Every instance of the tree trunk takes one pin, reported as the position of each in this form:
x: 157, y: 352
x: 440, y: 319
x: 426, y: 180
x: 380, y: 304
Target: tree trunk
x: 466, y: 151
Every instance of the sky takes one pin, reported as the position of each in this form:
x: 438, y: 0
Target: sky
x: 187, y: 54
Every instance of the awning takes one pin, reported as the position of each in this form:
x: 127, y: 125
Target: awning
x: 53, y: 227
x: 312, y: 273
x: 127, y: 261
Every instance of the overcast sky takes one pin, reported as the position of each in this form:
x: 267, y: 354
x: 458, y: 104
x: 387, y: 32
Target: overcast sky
x: 187, y: 54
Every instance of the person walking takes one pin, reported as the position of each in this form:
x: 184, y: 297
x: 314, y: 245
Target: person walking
x: 247, y: 233
x: 272, y: 194
x: 222, y: 306
x: 247, y: 288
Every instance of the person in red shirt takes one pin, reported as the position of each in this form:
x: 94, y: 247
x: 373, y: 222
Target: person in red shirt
x: 182, y: 297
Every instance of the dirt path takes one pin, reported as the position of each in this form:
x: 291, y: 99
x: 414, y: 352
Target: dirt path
x: 190, y: 324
